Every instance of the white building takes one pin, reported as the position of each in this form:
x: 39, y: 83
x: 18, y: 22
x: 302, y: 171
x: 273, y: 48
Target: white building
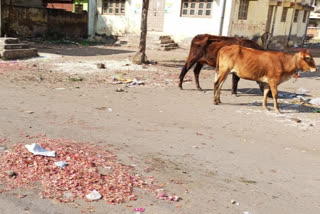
x: 286, y: 20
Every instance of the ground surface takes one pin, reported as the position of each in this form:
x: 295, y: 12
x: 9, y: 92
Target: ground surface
x: 266, y: 162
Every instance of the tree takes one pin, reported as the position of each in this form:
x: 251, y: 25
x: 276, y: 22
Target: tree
x: 140, y: 57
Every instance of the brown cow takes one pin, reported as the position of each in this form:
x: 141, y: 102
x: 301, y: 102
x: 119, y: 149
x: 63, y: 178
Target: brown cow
x: 269, y: 68
x: 204, y: 49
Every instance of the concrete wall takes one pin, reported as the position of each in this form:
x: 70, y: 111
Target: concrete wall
x: 31, y: 22
x: 174, y: 24
x: 255, y: 24
x: 283, y: 33
x: 27, y: 3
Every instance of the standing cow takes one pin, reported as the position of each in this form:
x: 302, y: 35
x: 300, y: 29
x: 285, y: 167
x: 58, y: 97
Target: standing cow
x: 204, y: 49
x: 269, y: 68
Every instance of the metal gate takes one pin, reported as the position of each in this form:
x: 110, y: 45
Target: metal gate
x: 156, y: 15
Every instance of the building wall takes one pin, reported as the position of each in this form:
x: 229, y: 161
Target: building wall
x: 283, y: 33
x: 174, y: 24
x: 255, y: 24
x: 28, y: 3
x: 32, y: 22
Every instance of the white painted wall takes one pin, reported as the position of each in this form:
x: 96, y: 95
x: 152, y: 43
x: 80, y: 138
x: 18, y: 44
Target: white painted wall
x: 174, y: 24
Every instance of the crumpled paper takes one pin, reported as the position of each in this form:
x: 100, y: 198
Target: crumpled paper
x: 94, y: 195
x: 36, y: 149
x: 61, y: 164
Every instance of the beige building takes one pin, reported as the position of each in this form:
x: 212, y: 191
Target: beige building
x: 314, y: 23
x: 285, y: 20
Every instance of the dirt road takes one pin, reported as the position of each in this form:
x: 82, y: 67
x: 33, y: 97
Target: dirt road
x: 208, y: 155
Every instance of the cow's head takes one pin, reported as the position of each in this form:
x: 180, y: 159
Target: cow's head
x: 305, y: 61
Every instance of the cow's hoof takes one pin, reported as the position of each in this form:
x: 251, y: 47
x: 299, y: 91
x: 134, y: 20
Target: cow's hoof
x: 199, y: 89
x: 235, y: 95
x: 180, y: 87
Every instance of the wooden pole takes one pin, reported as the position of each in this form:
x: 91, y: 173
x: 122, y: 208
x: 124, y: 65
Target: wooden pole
x: 140, y: 57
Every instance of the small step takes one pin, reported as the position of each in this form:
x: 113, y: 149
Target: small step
x: 9, y: 40
x: 16, y: 46
x: 168, y: 48
x: 170, y: 45
x: 19, y: 53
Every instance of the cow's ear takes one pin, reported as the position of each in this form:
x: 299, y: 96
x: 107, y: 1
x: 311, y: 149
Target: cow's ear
x: 301, y: 55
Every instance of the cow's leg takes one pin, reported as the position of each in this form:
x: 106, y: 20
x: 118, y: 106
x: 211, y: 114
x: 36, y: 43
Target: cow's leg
x: 196, y: 71
x: 274, y: 91
x: 261, y: 85
x: 218, y: 85
x: 235, y: 80
x: 185, y: 70
x: 266, y: 90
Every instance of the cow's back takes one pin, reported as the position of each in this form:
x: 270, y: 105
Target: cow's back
x: 249, y: 63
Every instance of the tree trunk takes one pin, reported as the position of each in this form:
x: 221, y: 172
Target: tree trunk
x: 140, y: 57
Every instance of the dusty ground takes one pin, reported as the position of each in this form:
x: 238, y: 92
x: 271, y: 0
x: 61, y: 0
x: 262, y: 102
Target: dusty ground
x: 208, y: 155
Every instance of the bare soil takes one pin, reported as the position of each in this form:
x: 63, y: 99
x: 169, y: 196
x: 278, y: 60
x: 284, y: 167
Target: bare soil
x: 209, y: 155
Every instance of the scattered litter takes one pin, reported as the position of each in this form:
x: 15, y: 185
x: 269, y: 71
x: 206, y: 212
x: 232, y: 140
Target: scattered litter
x: 315, y: 101
x: 174, y: 198
x: 61, y: 164
x: 3, y: 148
x: 120, y: 90
x: 68, y: 195
x: 301, y: 91
x: 296, y: 120
x: 286, y: 95
x: 136, y: 82
x: 234, y: 202
x: 83, y: 174
x: 195, y: 147
x: 141, y: 210
x: 38, y: 150
x: 12, y: 174
x: 59, y: 89
x: 101, y: 66
x: 109, y: 109
x: 29, y: 112
x: 21, y: 196
x: 247, y: 212
x: 94, y: 195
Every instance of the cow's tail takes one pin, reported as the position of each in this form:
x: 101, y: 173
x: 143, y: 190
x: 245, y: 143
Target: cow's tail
x: 217, y: 66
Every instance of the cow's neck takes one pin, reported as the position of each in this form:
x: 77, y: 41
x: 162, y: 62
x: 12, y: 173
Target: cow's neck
x: 291, y: 64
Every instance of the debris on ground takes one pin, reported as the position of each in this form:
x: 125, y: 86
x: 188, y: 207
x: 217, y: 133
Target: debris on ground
x: 120, y: 90
x: 38, y: 150
x: 296, y: 120
x: 136, y: 82
x: 61, y: 164
x: 20, y: 168
x: 101, y: 66
x: 315, y: 101
x: 141, y: 210
x: 234, y: 202
x: 301, y: 91
x: 94, y: 195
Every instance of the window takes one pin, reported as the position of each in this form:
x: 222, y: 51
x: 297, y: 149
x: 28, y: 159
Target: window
x: 305, y: 16
x: 243, y: 9
x: 196, y: 8
x: 114, y: 7
x: 284, y: 14
x: 296, y: 15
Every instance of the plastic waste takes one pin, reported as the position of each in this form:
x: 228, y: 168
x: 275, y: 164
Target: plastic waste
x: 94, y: 195
x: 38, y: 150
